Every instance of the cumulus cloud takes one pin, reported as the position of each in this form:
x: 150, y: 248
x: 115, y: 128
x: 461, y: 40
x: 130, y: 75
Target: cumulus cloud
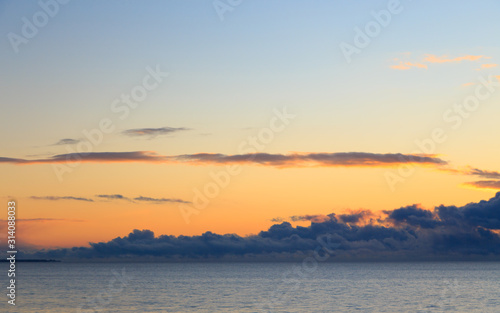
x: 152, y: 132
x: 408, y: 233
x: 56, y: 198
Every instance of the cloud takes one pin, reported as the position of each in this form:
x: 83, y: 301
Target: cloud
x: 152, y: 132
x: 469, y: 232
x: 66, y: 141
x: 445, y: 59
x: 353, y: 217
x: 311, y: 218
x: 277, y: 220
x: 408, y: 65
x: 357, y: 217
x: 142, y: 199
x: 55, y: 198
x: 468, y: 84
x: 344, y: 159
x: 113, y: 197
x: 413, y: 215
x: 160, y: 200
x: 483, y: 173
x: 483, y: 66
x: 432, y: 59
x: 95, y: 157
x: 484, y: 184
x: 471, y: 171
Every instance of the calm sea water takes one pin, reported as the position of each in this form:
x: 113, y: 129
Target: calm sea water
x: 256, y: 287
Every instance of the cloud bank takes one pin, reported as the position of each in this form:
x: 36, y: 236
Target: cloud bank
x: 470, y: 232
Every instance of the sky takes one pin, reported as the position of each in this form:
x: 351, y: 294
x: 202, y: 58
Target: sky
x: 229, y: 117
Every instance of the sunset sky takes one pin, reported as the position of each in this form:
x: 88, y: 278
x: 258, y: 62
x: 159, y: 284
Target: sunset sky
x: 257, y: 108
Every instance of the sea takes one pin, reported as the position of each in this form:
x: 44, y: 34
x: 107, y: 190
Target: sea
x: 254, y: 287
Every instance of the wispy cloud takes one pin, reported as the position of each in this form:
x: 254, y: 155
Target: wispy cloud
x: 141, y: 199
x: 445, y: 59
x: 159, y: 200
x: 66, y: 141
x: 113, y: 197
x: 152, y: 132
x: 57, y: 198
x: 472, y: 171
x: 345, y: 159
x: 310, y: 218
x: 489, y: 65
x: 433, y: 59
x: 483, y: 173
x: 352, y: 217
x: 408, y: 65
x: 484, y: 184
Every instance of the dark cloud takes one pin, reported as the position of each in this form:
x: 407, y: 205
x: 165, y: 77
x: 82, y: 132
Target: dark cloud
x: 142, y: 199
x: 159, y: 200
x: 408, y: 233
x: 113, y: 197
x: 97, y: 157
x: 356, y: 217
x: 414, y: 216
x: 152, y: 132
x: 66, y: 141
x: 344, y: 159
x: 484, y: 173
x: 312, y: 159
x: 56, y: 198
